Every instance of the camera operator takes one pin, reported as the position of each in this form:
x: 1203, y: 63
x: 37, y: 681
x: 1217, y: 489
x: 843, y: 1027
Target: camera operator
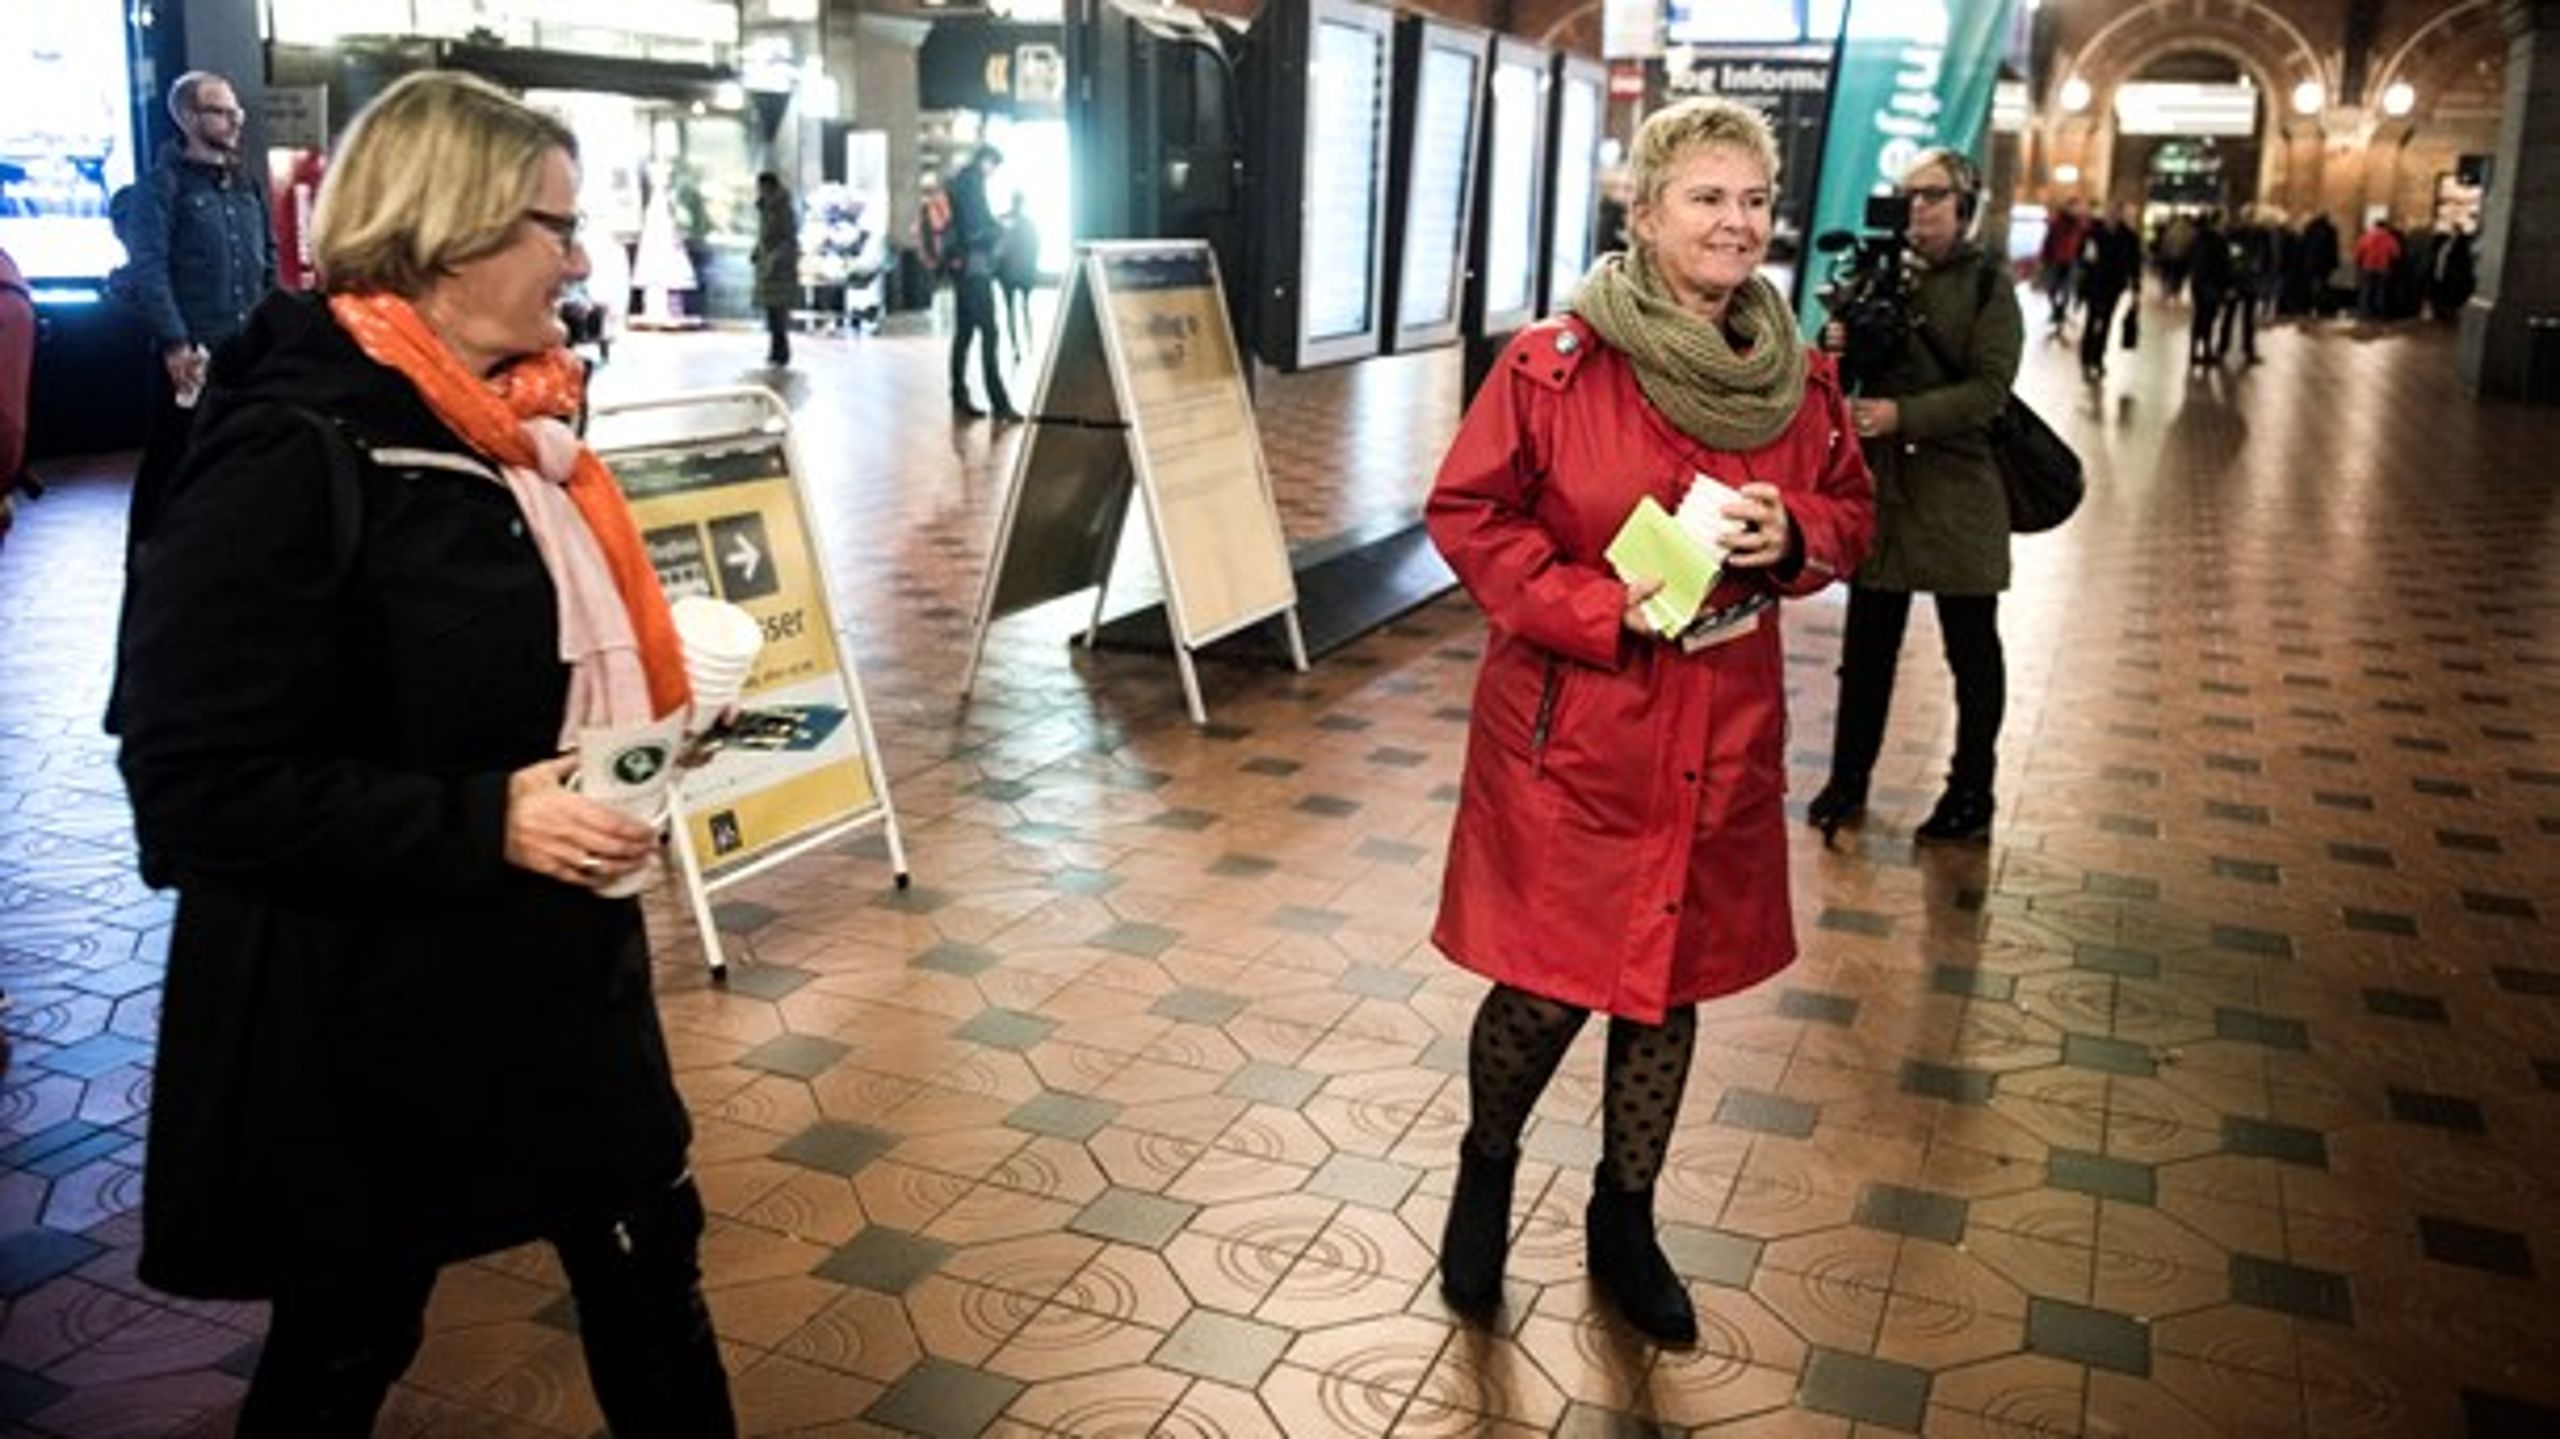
x: 1942, y: 519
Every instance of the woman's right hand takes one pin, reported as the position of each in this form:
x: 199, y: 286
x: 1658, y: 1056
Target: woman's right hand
x: 558, y: 833
x: 1638, y: 591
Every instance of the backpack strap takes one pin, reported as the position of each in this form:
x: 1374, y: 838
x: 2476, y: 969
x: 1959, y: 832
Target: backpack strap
x: 344, y: 454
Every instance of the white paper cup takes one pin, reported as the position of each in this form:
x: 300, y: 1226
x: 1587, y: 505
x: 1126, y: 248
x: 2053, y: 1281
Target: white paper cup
x: 633, y: 769
x: 721, y: 642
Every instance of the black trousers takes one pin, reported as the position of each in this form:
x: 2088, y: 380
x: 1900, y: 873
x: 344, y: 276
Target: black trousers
x: 777, y: 330
x: 1870, y: 648
x: 974, y: 314
x: 336, y: 1342
x: 2096, y: 327
x: 2239, y: 307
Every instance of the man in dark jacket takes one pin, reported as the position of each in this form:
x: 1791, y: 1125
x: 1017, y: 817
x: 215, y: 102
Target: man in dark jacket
x: 202, y: 255
x: 2110, y: 268
x: 971, y: 257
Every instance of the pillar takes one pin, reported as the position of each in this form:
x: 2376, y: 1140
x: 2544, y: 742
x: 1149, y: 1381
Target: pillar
x: 2518, y: 281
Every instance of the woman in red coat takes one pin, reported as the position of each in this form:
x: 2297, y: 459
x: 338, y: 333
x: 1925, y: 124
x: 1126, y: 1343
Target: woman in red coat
x: 1620, y: 841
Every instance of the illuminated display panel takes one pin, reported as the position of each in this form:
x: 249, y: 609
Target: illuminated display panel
x: 1346, y: 154
x: 1515, y: 164
x: 1575, y: 200
x: 1317, y: 77
x: 1439, y: 104
x: 66, y: 137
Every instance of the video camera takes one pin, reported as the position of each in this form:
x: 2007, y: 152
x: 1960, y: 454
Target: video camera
x: 1868, y: 289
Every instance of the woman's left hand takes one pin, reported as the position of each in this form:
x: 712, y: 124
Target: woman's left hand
x: 1875, y: 417
x: 1759, y: 537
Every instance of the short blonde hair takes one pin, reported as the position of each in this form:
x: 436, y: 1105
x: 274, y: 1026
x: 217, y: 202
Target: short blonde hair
x: 1669, y: 135
x: 435, y: 173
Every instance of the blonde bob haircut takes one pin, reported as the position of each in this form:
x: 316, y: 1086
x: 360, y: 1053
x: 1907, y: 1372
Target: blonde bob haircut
x: 435, y: 173
x: 1672, y: 133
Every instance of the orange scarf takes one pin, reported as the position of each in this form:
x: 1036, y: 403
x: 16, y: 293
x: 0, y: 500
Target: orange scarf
x: 493, y: 416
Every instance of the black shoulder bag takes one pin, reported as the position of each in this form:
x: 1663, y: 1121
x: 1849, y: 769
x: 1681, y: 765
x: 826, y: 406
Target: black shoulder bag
x: 2040, y: 472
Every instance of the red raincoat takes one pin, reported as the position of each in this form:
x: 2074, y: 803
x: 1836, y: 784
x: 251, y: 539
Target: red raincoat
x: 1620, y: 841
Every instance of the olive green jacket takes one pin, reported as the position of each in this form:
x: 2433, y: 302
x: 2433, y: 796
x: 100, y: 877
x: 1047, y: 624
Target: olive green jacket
x: 1942, y: 520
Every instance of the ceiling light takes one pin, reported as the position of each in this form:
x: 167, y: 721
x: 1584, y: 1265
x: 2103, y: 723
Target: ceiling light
x: 2398, y: 98
x: 2075, y: 95
x: 2308, y: 97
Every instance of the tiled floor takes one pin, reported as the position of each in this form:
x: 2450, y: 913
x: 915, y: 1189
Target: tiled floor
x: 2216, y: 1097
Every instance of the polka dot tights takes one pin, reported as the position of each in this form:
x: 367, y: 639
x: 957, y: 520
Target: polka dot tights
x: 1514, y: 1048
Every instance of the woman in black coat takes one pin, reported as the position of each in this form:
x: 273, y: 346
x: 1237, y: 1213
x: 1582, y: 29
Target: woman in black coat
x: 403, y: 1023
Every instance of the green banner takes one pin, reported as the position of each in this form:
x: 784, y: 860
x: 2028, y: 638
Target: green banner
x: 1910, y: 74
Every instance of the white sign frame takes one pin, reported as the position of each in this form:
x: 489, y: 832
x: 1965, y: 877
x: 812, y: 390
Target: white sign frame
x: 1088, y: 284
x: 762, y: 414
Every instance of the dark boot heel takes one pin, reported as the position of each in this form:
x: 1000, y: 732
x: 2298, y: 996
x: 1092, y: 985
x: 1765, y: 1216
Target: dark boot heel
x: 1626, y: 1261
x: 1962, y: 816
x: 1841, y: 802
x: 1478, y: 1234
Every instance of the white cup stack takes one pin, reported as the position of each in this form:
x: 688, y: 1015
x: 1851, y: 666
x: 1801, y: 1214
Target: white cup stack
x: 721, y: 642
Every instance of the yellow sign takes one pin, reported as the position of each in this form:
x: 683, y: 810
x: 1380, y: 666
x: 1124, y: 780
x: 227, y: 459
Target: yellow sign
x: 727, y: 523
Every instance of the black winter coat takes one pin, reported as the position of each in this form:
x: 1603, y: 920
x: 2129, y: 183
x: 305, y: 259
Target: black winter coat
x: 379, y: 1042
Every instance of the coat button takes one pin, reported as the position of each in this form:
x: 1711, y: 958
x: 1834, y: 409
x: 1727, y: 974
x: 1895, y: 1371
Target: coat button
x: 515, y: 527
x: 1671, y: 908
x: 1691, y: 776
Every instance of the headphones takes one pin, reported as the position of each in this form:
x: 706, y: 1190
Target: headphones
x: 1961, y: 173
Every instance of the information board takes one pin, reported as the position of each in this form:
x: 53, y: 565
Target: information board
x: 1144, y: 390
x: 721, y: 511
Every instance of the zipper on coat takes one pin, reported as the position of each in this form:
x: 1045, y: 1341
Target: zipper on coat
x: 1546, y: 718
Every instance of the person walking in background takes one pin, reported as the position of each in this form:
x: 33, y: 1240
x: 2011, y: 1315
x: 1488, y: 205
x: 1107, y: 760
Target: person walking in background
x: 202, y: 254
x: 2319, y: 260
x: 1600, y: 753
x: 404, y: 1022
x: 1942, y: 518
x: 2059, y: 259
x: 2210, y: 281
x: 971, y: 258
x: 1017, y: 271
x: 2110, y: 271
x: 2252, y: 258
x: 777, y: 264
x: 2377, y: 250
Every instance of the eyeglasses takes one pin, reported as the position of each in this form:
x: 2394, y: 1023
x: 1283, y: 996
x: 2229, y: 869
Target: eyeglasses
x: 222, y: 112
x: 1930, y: 194
x: 563, y: 228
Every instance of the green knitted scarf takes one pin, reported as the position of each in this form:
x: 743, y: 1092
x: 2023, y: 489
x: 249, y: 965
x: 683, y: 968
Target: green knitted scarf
x: 1686, y: 366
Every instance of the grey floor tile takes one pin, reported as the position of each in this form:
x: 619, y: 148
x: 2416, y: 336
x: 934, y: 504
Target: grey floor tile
x: 944, y: 1400
x: 2098, y: 1174
x: 1006, y: 1029
x: 884, y: 1259
x: 968, y: 961
x: 1358, y: 1179
x: 801, y: 1056
x: 1267, y: 1083
x: 1198, y: 1006
x: 2099, y: 1338
x: 1915, y: 1213
x: 835, y: 1147
x: 1133, y: 1216
x: 1224, y: 1347
x: 2475, y: 1246
x: 2305, y: 1293
x: 1063, y: 1116
x: 1871, y: 1391
x: 1766, y: 1113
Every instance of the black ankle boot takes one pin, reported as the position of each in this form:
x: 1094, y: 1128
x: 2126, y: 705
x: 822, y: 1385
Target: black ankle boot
x: 1962, y: 816
x: 1478, y: 1233
x: 1626, y: 1261
x: 1841, y: 802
